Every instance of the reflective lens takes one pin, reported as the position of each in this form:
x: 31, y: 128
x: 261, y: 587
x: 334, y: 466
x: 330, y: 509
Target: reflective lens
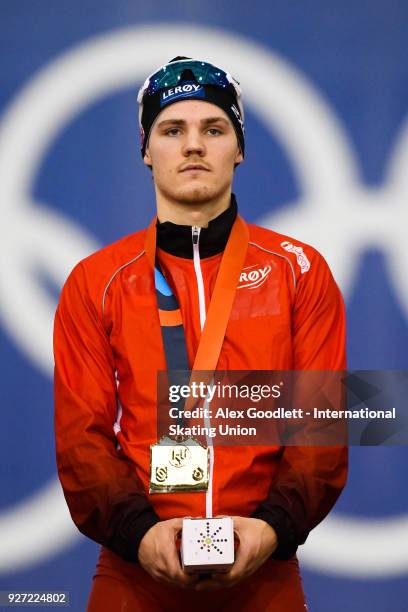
x: 170, y: 76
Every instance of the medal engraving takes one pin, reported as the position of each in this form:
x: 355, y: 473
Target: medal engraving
x: 179, y: 456
x: 197, y: 474
x: 161, y: 473
x: 178, y: 466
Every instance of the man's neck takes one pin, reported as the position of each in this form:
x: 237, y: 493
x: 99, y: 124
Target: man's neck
x: 199, y: 214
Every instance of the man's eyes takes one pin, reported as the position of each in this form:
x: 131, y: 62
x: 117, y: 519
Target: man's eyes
x: 214, y: 130
x: 175, y: 131
x: 172, y: 131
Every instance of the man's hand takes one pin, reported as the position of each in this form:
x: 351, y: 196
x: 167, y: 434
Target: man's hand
x: 257, y: 541
x: 158, y: 554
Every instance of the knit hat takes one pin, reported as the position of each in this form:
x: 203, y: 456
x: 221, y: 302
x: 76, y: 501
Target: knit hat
x: 186, y: 79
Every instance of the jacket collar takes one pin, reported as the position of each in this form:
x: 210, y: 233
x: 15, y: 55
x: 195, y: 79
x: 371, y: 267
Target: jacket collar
x: 177, y: 239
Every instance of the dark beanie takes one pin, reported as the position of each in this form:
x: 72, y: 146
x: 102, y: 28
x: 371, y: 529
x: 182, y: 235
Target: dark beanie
x: 189, y: 89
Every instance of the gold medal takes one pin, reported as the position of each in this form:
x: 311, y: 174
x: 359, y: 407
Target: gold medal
x: 178, y: 466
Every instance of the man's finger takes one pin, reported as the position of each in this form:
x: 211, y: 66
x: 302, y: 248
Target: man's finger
x: 177, y: 524
x: 174, y: 570
x: 223, y: 580
x: 237, y: 572
x: 176, y: 577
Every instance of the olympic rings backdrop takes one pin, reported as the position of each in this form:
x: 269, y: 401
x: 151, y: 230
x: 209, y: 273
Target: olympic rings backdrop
x: 326, y: 99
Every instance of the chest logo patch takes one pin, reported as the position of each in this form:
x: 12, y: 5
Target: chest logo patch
x: 254, y: 276
x: 301, y: 258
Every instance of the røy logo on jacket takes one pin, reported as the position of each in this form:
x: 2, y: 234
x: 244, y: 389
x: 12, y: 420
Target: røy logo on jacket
x: 253, y: 276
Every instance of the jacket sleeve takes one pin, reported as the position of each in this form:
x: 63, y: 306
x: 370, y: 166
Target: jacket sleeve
x: 104, y: 496
x: 310, y: 478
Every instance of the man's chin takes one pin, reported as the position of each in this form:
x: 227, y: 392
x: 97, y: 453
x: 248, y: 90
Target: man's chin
x: 195, y: 195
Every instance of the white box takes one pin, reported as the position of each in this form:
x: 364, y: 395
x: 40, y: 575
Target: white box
x: 207, y: 544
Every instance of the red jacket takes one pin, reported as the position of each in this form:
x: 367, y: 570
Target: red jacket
x: 287, y: 315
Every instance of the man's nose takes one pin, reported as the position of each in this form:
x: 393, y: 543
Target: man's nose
x: 193, y: 143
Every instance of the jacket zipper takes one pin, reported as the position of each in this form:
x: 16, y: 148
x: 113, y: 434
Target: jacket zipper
x: 199, y: 275
x: 201, y: 301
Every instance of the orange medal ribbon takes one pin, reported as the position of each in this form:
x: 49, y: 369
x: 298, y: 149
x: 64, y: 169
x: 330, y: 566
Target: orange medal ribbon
x: 219, y: 310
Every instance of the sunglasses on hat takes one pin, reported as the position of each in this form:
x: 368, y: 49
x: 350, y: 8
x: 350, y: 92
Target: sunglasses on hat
x: 204, y: 73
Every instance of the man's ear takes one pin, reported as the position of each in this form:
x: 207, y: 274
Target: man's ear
x: 147, y: 159
x: 238, y: 158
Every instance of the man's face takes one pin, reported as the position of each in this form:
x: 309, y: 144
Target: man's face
x: 187, y: 134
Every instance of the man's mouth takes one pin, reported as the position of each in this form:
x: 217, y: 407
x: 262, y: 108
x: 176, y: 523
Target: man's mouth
x: 194, y: 168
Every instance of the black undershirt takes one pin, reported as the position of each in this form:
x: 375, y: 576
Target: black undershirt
x: 177, y: 239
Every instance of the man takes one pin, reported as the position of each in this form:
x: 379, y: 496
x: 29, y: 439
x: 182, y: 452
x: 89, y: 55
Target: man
x: 112, y: 335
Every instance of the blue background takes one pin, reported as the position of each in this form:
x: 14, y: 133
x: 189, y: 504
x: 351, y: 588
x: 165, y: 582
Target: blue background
x: 354, y: 54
